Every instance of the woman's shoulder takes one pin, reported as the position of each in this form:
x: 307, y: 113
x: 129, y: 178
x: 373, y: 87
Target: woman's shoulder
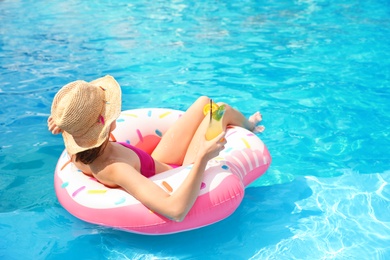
x: 117, y: 164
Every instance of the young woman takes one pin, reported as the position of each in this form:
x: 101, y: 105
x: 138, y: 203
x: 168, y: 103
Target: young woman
x: 86, y: 112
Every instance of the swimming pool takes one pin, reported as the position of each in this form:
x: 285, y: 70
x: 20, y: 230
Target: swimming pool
x: 317, y: 70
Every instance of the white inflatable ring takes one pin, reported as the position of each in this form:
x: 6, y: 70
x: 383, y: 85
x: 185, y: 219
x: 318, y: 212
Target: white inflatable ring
x: 244, y: 159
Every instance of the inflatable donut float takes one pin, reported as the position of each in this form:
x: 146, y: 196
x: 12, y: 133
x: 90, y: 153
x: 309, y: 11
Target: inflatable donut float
x: 244, y: 159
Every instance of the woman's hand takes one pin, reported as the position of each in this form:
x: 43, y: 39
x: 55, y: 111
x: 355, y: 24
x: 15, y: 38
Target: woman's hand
x: 212, y: 148
x: 53, y: 128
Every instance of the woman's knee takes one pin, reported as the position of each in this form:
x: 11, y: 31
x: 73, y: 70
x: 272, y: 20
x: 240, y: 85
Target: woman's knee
x: 227, y: 106
x: 203, y: 100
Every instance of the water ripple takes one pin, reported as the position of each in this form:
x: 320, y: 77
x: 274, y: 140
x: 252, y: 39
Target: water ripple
x: 354, y: 223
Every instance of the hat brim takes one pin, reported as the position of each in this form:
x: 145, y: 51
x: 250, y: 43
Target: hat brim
x: 99, y: 132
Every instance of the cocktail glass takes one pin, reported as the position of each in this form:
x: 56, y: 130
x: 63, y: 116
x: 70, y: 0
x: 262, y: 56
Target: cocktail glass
x: 215, y: 124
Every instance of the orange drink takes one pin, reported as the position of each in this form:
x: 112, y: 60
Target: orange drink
x: 215, y: 125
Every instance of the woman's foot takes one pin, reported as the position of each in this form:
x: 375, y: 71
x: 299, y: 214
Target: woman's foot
x: 254, y: 120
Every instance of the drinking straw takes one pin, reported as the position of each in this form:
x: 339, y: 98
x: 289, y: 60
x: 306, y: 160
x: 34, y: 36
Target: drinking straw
x: 211, y: 109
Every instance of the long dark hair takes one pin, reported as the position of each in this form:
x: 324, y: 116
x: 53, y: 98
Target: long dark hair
x: 88, y: 156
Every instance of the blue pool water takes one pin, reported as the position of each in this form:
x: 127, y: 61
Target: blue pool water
x: 318, y: 70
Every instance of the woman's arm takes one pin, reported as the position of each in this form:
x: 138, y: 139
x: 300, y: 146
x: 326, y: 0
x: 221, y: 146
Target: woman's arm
x: 174, y: 206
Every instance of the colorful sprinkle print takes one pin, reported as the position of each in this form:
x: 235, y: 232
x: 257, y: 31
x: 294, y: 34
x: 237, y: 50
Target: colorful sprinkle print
x: 141, y: 138
x: 228, y: 150
x: 246, y: 143
x: 202, y: 186
x: 74, y: 194
x: 63, y: 166
x: 112, y: 137
x: 225, y: 167
x: 232, y: 133
x: 167, y: 186
x: 120, y: 201
x: 97, y: 191
x: 149, y: 113
x: 132, y: 115
x: 120, y: 120
x: 158, y: 132
x: 64, y: 185
x: 164, y: 114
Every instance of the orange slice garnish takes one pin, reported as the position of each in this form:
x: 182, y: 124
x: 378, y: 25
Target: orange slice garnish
x: 206, y: 108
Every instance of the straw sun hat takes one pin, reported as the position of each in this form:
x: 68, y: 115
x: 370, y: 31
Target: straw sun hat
x: 85, y: 111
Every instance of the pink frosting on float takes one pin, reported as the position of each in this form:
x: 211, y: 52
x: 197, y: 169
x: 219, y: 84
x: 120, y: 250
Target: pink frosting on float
x: 139, y: 219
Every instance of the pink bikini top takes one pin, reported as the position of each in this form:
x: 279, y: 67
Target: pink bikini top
x: 148, y: 168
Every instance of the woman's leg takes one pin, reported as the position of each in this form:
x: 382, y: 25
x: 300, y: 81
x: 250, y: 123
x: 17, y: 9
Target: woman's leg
x: 180, y: 144
x: 174, y: 143
x: 231, y: 117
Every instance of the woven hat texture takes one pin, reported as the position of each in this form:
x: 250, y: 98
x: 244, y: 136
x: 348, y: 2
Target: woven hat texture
x: 85, y: 111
